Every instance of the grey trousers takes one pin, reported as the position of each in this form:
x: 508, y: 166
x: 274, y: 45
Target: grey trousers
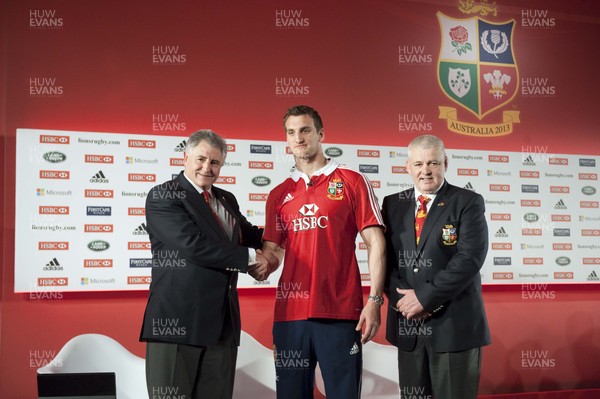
x: 424, y: 373
x: 191, y: 372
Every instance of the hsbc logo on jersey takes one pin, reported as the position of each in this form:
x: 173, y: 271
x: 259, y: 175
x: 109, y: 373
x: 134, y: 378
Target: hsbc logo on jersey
x: 309, y: 209
x: 310, y: 220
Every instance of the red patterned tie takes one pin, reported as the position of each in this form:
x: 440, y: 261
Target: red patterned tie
x: 207, y: 199
x: 421, y: 215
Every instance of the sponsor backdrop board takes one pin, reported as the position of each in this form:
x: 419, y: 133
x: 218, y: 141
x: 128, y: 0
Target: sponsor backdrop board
x: 80, y: 219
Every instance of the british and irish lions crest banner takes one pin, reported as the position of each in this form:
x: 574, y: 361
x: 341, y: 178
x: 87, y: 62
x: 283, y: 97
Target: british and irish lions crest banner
x: 478, y: 71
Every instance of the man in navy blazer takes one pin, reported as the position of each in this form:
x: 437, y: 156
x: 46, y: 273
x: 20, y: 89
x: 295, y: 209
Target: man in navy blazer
x: 436, y: 317
x: 200, y: 242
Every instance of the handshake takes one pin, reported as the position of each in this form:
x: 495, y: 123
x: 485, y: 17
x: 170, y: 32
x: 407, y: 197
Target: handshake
x: 266, y: 263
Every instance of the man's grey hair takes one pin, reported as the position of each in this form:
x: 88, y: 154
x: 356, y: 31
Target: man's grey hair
x: 210, y: 137
x: 427, y: 141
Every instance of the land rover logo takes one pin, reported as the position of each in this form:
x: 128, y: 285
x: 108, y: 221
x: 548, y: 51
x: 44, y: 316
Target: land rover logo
x: 54, y: 156
x: 261, y: 181
x: 333, y: 152
x: 588, y: 190
x: 531, y: 217
x: 98, y: 245
x: 563, y: 261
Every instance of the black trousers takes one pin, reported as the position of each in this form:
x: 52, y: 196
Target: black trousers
x: 191, y: 372
x: 424, y: 373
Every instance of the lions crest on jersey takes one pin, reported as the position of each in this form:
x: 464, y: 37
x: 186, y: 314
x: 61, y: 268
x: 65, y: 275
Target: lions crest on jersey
x: 335, y: 189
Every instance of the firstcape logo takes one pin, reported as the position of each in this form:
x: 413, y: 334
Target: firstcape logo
x: 477, y: 70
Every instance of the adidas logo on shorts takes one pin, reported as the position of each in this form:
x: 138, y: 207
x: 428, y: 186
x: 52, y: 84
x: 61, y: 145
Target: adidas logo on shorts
x: 354, y: 349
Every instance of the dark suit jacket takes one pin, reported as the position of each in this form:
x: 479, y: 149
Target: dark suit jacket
x: 443, y: 269
x: 195, y: 265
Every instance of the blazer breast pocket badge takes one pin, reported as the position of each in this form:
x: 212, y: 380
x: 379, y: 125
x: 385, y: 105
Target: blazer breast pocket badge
x: 449, y: 235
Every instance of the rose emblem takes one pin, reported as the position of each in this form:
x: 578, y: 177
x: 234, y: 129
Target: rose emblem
x: 460, y: 35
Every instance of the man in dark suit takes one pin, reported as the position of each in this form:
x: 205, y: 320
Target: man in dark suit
x: 437, y: 240
x: 200, y: 241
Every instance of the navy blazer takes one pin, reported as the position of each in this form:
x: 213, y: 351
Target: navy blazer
x: 443, y: 269
x: 195, y: 265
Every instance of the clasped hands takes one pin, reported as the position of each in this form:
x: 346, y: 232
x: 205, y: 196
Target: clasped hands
x: 410, y: 307
x: 266, y: 263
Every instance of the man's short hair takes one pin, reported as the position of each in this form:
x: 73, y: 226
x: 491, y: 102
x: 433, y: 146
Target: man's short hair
x: 210, y: 137
x: 427, y: 141
x: 299, y: 110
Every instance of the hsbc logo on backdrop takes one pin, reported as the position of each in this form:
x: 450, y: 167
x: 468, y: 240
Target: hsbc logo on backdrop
x: 98, y: 228
x: 141, y: 177
x: 53, y: 281
x: 131, y: 280
x: 560, y: 189
x: 533, y: 261
x: 368, y: 153
x: 257, y: 196
x: 558, y: 161
x: 55, y: 174
x: 104, y: 159
x: 97, y: 263
x: 560, y: 218
x: 260, y: 165
x: 92, y: 193
x: 132, y: 245
x: 141, y: 143
x: 375, y: 183
x: 563, y: 275
x: 400, y: 169
x: 562, y: 246
x: 502, y: 275
x: 53, y: 245
x: 225, y: 180
x: 532, y: 203
x: 588, y: 176
x: 498, y: 158
x: 529, y: 174
x: 50, y: 139
x: 589, y: 204
x: 176, y: 162
x: 53, y: 210
x: 500, y: 187
x: 500, y: 216
x: 467, y: 172
x: 136, y: 211
x: 502, y: 246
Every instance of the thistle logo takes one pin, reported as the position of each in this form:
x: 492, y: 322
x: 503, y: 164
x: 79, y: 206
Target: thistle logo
x: 477, y: 70
x: 310, y: 220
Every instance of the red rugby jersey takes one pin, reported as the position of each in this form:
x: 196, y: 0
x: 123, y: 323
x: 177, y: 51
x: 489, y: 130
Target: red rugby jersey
x: 317, y: 221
